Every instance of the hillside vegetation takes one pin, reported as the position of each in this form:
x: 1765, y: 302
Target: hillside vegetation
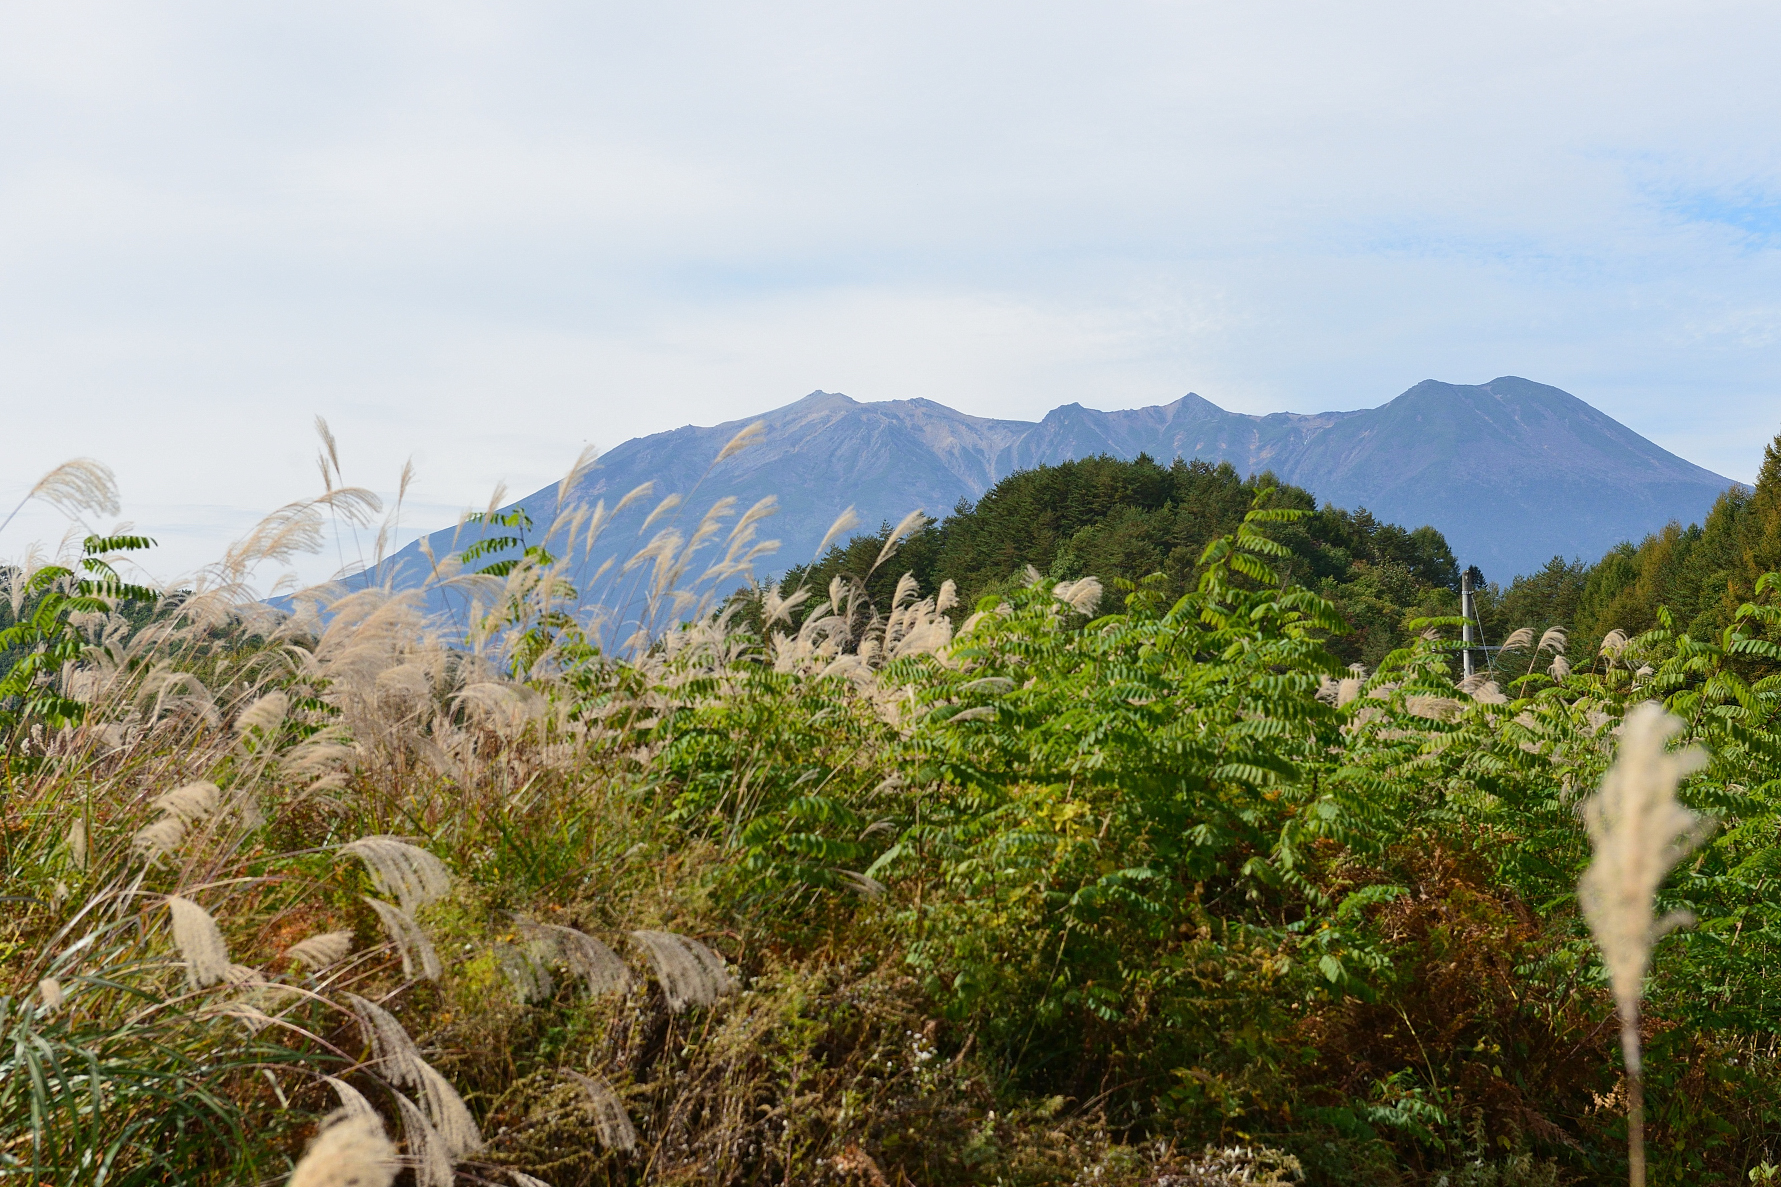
x: 1123, y: 521
x: 1093, y: 883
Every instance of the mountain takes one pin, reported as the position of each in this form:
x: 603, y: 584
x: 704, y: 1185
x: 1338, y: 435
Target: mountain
x: 1511, y: 472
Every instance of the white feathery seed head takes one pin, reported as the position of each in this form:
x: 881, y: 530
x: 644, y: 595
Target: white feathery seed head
x: 200, y: 942
x: 192, y: 802
x: 350, y: 1150
x: 690, y: 973
x: 426, y: 1151
x: 1560, y: 667
x: 1639, y: 832
x: 412, y: 875
x: 527, y: 970
x: 320, y: 951
x: 1519, y: 639
x: 611, y: 1121
x: 351, y: 1099
x: 400, y: 1062
x: 844, y: 522
x: 1434, y: 708
x: 49, y: 990
x: 410, y: 940
x: 1554, y: 640
x: 265, y: 714
x: 1613, y: 643
x: 906, y: 527
x: 77, y: 486
x: 160, y: 838
x: 77, y: 843
x: 993, y: 685
x: 1081, y: 596
x: 598, y: 966
x: 742, y: 440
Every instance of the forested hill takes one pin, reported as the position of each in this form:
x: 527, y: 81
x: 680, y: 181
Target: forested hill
x: 1127, y: 520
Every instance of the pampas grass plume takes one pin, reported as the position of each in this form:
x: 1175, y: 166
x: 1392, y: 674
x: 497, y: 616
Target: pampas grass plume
x: 409, y: 939
x: 200, y: 942
x: 194, y: 801
x: 351, y: 1150
x: 611, y: 1121
x: 1639, y: 832
x: 690, y: 973
x: 414, y: 876
x: 323, y: 950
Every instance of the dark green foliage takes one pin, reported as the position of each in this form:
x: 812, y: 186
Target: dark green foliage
x: 1114, y: 519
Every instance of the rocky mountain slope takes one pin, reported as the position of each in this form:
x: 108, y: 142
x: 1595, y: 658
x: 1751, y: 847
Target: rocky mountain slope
x: 1512, y: 472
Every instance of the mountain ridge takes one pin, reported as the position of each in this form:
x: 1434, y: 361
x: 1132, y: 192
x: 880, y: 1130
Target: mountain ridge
x: 1512, y: 472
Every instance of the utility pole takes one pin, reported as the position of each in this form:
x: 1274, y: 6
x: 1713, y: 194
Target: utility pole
x: 1465, y: 609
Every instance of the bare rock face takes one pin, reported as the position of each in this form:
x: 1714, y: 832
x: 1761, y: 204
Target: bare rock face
x: 1512, y: 472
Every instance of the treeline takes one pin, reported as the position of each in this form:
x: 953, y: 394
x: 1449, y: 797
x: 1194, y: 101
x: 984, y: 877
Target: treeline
x: 1123, y: 521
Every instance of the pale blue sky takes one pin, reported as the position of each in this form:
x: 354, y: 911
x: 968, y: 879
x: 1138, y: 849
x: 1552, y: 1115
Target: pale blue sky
x: 485, y: 233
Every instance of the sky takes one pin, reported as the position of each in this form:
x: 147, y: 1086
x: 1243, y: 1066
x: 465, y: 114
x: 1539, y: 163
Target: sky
x: 483, y: 235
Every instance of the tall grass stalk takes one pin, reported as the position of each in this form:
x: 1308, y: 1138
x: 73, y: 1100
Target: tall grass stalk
x: 1639, y: 832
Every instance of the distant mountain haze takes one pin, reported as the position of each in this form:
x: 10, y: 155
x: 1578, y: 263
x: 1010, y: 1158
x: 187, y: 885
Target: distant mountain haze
x: 1511, y: 472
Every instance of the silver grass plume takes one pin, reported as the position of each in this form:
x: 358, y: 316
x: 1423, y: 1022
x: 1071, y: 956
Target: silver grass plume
x: 414, y: 876
x: 351, y: 1150
x: 1519, y: 639
x: 192, y: 802
x: 906, y: 527
x: 1553, y: 640
x: 598, y: 966
x: 1639, y: 832
x: 200, y: 942
x: 742, y: 440
x: 409, y: 939
x: 526, y: 970
x: 844, y: 522
x: 662, y: 508
x: 77, y: 843
x: 1560, y: 667
x: 690, y: 973
x: 330, y: 452
x: 1613, y: 643
x: 265, y: 714
x: 73, y: 487
x: 49, y: 990
x: 611, y: 1121
x: 1081, y: 596
x: 400, y: 1062
x: 351, y: 1099
x: 320, y: 951
x: 160, y: 838
x: 584, y: 461
x: 1434, y: 708
x: 426, y: 1151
